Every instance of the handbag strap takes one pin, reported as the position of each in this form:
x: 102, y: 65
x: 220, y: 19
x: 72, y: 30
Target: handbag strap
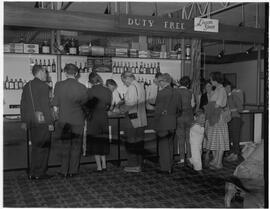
x: 31, y: 95
x: 137, y: 105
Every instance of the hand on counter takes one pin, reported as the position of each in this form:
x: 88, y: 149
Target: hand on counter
x: 51, y: 127
x: 24, y: 126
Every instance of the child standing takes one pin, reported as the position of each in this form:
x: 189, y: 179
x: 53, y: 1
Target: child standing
x: 196, y: 139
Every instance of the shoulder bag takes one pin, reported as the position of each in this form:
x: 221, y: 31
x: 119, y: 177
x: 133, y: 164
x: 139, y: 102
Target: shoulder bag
x: 38, y: 115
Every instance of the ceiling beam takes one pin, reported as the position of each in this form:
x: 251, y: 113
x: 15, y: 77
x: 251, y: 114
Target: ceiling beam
x: 32, y: 38
x: 79, y: 21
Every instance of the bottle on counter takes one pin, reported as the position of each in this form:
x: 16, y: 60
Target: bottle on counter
x: 20, y: 83
x: 49, y: 67
x: 158, y: 67
x: 11, y: 84
x: 85, y: 69
x: 53, y: 66
x: 45, y: 48
x: 73, y: 48
x: 179, y: 53
x: 44, y: 64
x: 36, y: 62
x: 114, y: 69
x: 16, y: 85
x: 6, y: 84
x: 81, y: 68
x: 40, y: 62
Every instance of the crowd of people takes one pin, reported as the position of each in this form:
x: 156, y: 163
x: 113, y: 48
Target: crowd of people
x: 183, y: 128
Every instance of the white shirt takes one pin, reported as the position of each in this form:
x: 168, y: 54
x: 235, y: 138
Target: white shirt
x: 219, y: 96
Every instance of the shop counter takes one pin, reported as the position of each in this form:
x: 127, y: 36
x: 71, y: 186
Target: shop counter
x: 16, y: 140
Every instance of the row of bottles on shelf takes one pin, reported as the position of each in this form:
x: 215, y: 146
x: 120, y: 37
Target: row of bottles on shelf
x: 51, y: 68
x: 152, y: 68
x: 15, y: 84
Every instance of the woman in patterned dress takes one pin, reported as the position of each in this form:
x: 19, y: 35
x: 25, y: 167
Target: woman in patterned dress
x: 217, y: 129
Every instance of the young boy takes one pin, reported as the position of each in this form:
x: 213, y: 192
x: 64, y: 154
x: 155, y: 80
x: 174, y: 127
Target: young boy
x: 196, y: 139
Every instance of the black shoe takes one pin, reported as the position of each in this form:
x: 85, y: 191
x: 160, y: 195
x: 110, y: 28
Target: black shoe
x: 164, y: 172
x: 188, y: 164
x: 45, y: 176
x: 62, y: 175
x: 72, y: 175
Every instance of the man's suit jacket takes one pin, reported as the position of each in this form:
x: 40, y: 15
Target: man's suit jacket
x: 40, y: 93
x: 167, y: 107
x: 69, y: 96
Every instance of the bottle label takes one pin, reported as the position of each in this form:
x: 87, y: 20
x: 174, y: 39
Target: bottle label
x: 72, y: 50
x: 45, y: 49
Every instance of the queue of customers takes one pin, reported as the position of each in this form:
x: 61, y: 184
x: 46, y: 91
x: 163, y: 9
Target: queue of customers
x: 180, y: 127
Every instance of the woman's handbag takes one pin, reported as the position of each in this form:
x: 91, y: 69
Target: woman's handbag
x: 226, y: 114
x: 38, y: 115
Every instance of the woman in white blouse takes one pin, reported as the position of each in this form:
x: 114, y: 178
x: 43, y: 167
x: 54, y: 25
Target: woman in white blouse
x: 217, y: 129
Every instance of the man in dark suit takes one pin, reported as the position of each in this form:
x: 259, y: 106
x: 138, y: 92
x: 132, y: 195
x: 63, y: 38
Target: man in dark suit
x: 69, y: 96
x: 35, y: 97
x: 167, y: 104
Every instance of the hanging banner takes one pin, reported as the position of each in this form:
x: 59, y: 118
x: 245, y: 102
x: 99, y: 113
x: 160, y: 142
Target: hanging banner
x: 206, y: 25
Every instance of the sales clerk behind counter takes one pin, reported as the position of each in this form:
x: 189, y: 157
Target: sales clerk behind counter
x: 151, y: 93
x: 117, y: 100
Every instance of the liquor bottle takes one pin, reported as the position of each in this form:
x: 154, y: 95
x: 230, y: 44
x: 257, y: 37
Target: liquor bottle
x: 44, y: 64
x: 147, y: 69
x: 121, y: 68
x: 141, y: 68
x: 16, y: 85
x: 45, y: 48
x: 133, y: 68
x: 125, y: 67
x: 136, y: 68
x: 80, y: 68
x: 53, y: 66
x: 20, y: 83
x: 73, y: 48
x: 49, y: 67
x: 11, y: 84
x: 40, y: 62
x: 144, y: 69
x: 114, y: 69
x: 179, y: 53
x: 128, y: 67
x: 85, y: 69
x: 158, y: 67
x: 6, y: 85
x: 36, y: 62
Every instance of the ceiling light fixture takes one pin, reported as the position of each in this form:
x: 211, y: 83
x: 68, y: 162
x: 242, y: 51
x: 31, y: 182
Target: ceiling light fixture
x: 222, y: 52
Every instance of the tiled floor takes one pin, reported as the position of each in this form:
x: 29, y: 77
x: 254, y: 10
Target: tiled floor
x: 115, y: 188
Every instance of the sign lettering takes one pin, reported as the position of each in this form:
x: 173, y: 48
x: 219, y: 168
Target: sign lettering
x: 206, y: 25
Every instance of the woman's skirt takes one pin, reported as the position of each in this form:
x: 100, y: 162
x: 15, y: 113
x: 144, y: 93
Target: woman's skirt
x: 98, y: 145
x: 218, y: 136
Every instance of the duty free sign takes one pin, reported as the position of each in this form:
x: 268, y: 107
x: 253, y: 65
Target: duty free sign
x: 168, y: 24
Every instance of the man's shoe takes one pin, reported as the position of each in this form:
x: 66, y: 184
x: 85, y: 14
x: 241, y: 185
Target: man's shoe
x: 188, y: 164
x: 72, y: 175
x: 233, y: 158
x: 45, y: 176
x: 164, y: 172
x: 135, y: 169
x: 62, y: 175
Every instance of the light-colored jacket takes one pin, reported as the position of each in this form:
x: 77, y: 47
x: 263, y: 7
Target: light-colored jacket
x: 135, y: 102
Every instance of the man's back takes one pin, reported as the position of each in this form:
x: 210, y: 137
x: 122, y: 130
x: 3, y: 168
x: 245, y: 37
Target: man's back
x: 69, y: 96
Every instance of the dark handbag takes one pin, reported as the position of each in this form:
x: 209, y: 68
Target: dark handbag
x: 38, y: 115
x: 133, y: 115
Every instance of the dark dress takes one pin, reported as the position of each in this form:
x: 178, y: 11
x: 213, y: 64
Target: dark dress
x: 99, y: 101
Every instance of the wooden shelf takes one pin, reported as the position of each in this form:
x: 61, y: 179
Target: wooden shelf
x: 115, y: 57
